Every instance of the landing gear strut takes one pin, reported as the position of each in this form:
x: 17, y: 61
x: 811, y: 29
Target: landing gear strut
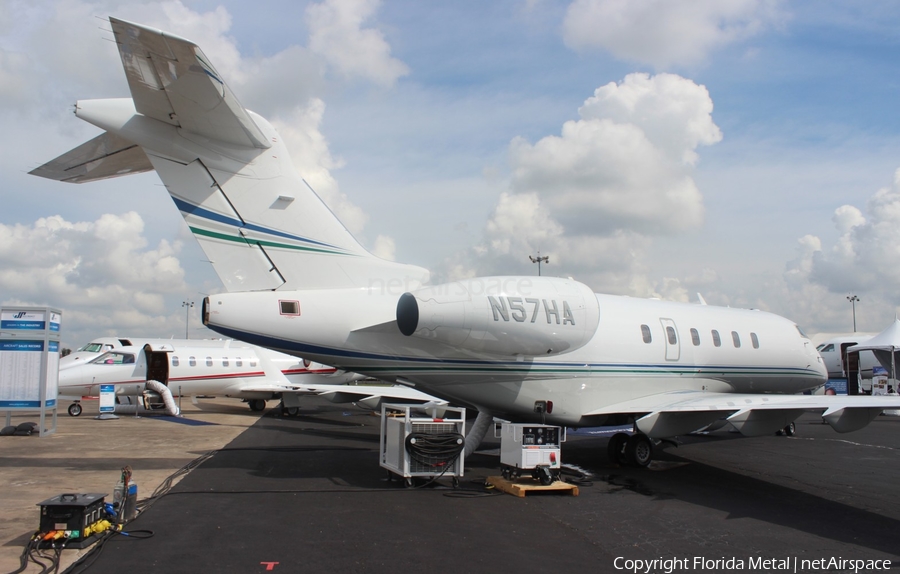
x: 630, y: 450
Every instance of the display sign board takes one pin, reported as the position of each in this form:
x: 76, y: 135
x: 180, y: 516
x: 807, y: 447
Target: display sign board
x: 837, y: 386
x: 29, y: 360
x: 107, y: 399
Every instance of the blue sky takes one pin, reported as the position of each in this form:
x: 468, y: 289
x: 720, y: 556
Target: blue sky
x: 743, y: 149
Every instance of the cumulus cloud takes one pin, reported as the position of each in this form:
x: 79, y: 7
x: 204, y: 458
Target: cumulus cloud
x: 100, y: 269
x: 337, y: 34
x: 626, y: 164
x: 864, y: 259
x: 593, y: 197
x: 664, y: 33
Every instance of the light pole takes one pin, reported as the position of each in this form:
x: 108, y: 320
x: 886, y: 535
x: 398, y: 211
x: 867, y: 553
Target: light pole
x: 853, y: 299
x: 187, y: 309
x: 538, y: 259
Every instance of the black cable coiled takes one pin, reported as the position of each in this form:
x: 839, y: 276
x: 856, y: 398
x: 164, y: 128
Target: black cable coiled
x: 435, y: 450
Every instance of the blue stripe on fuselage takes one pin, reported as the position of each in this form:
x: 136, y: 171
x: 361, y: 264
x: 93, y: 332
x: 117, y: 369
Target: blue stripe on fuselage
x: 198, y: 211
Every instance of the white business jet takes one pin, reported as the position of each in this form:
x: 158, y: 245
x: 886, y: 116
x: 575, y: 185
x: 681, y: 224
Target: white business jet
x: 841, y: 364
x: 520, y: 348
x: 101, y: 345
x: 160, y: 369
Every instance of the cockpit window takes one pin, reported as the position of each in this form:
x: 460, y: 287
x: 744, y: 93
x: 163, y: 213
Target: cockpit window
x: 823, y: 348
x: 799, y: 330
x: 94, y: 348
x: 114, y: 358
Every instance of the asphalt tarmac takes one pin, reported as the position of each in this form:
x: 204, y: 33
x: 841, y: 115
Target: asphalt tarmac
x: 306, y: 494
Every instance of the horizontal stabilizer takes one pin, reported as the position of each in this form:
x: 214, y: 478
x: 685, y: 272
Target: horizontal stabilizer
x: 103, y: 157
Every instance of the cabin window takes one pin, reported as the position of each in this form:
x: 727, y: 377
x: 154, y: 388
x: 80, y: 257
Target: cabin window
x: 224, y: 361
x: 645, y: 333
x: 192, y: 361
x: 209, y: 361
x: 289, y: 307
x: 252, y: 362
x: 175, y: 360
x: 717, y: 341
x: 670, y: 333
x: 754, y: 340
x: 695, y: 337
x: 238, y: 362
x: 736, y: 339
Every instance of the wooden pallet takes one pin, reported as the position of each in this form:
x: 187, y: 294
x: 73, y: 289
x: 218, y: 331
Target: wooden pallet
x: 524, y: 485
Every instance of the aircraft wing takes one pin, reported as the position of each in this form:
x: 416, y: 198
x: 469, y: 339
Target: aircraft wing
x: 366, y: 394
x: 172, y: 81
x: 680, y: 412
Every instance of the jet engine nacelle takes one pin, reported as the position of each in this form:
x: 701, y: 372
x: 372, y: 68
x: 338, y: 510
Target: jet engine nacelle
x: 511, y: 316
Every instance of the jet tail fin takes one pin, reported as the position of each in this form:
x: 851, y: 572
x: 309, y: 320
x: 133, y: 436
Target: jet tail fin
x: 227, y: 170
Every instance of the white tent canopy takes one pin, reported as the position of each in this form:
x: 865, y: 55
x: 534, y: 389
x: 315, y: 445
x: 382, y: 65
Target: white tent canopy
x: 885, y: 346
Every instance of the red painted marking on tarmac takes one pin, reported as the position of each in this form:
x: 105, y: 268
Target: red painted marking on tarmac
x: 270, y: 565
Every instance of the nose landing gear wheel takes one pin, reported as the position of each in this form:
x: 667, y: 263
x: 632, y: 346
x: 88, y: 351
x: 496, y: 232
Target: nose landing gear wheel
x: 74, y: 409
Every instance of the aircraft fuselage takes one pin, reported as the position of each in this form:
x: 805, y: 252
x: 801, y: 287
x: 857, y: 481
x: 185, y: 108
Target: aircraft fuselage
x: 636, y: 347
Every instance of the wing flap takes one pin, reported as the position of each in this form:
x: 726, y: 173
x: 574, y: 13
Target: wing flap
x: 171, y: 80
x: 103, y: 157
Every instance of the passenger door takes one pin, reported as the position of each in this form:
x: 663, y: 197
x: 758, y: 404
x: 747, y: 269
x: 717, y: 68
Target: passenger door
x: 670, y: 334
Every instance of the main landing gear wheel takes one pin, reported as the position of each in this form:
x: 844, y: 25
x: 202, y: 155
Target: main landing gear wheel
x: 789, y: 430
x: 630, y: 450
x: 257, y: 404
x: 639, y: 450
x: 74, y: 409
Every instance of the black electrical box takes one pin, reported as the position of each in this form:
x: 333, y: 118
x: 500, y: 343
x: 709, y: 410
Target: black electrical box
x: 71, y: 513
